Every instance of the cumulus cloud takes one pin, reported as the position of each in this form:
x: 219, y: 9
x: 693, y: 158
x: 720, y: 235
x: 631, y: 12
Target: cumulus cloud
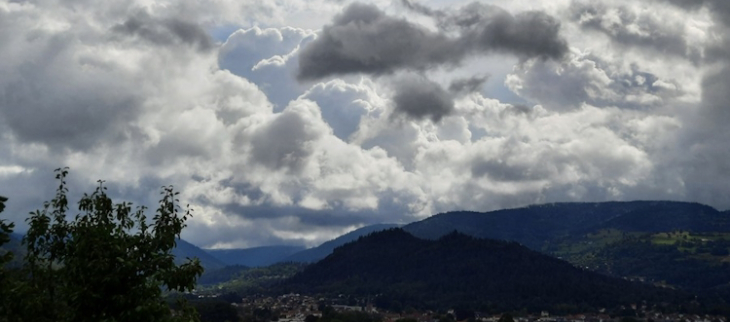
x: 343, y: 104
x: 145, y: 95
x: 267, y: 57
x: 587, y: 78
x: 364, y: 39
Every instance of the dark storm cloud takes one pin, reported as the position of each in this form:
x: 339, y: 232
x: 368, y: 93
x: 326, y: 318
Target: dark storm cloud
x: 634, y: 29
x: 419, y: 98
x: 167, y: 32
x: 363, y: 39
x: 468, y: 85
x: 487, y: 28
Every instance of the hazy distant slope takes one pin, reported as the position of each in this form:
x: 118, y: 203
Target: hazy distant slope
x: 536, y: 226
x: 458, y: 270
x: 317, y: 253
x: 181, y: 251
x: 256, y: 256
x: 185, y: 249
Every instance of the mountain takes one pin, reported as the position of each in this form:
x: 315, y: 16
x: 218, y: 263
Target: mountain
x: 400, y: 270
x: 15, y: 246
x: 317, y: 253
x: 187, y: 250
x: 254, y: 257
x: 537, y: 226
x: 669, y: 243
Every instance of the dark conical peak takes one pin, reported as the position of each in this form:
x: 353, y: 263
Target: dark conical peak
x: 393, y: 236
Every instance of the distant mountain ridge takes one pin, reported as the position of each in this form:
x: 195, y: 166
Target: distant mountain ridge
x: 317, y: 253
x: 185, y: 250
x: 535, y: 225
x: 182, y: 250
x: 459, y: 270
x: 255, y: 256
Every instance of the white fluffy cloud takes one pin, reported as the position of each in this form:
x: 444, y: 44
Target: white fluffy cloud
x: 205, y: 97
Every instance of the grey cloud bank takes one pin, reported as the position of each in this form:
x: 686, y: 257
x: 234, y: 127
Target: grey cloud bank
x: 364, y: 39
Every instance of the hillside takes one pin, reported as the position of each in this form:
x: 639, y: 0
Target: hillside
x: 456, y: 269
x: 697, y: 262
x: 247, y: 281
x: 181, y: 251
x: 185, y: 249
x: 317, y: 253
x: 256, y: 256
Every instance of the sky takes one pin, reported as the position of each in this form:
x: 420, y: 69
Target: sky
x: 295, y: 121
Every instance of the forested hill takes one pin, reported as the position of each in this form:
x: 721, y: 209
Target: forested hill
x: 458, y: 270
x: 539, y: 225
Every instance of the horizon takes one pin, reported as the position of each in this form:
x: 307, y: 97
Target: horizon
x: 402, y: 225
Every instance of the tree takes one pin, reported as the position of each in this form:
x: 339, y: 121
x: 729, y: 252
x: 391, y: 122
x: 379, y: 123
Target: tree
x: 109, y: 263
x: 5, y: 230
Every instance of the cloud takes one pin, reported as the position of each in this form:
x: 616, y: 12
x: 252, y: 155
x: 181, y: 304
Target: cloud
x: 267, y: 57
x: 419, y: 98
x: 630, y: 26
x: 720, y: 9
x: 206, y: 98
x: 343, y: 104
x: 286, y: 141
x: 489, y: 28
x: 586, y: 78
x: 364, y: 39
x: 166, y: 31
x: 467, y: 85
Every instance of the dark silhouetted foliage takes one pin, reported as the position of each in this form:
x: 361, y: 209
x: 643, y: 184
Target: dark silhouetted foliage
x: 107, y: 263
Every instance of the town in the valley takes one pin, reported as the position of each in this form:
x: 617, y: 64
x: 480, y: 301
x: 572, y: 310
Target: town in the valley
x: 304, y: 308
